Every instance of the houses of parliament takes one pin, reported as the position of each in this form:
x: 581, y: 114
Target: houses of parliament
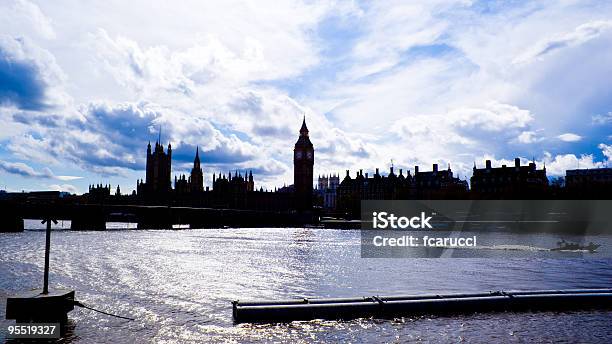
x: 236, y: 190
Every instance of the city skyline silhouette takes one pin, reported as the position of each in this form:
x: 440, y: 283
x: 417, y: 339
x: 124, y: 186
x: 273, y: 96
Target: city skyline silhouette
x: 79, y: 97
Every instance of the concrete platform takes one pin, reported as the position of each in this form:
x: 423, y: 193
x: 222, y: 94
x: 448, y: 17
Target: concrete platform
x: 33, y: 306
x: 384, y: 307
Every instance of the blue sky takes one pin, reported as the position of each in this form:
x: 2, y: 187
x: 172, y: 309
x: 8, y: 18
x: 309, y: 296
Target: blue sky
x: 84, y: 86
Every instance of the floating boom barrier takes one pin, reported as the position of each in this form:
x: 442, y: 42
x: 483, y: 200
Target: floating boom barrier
x: 408, y: 305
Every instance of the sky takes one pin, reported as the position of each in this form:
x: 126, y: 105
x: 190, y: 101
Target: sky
x: 85, y: 85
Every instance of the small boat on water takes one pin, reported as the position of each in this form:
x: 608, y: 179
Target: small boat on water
x: 571, y: 246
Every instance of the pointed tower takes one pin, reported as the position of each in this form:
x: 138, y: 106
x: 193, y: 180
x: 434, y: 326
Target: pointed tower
x: 303, y: 166
x: 197, y: 176
x: 251, y: 183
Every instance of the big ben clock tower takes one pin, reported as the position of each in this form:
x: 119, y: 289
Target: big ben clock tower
x: 303, y: 163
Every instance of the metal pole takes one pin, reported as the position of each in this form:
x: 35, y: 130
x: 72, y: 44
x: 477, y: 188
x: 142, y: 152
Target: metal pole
x: 47, y: 249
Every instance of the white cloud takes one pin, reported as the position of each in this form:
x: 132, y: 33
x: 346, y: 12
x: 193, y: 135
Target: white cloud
x: 67, y: 178
x: 606, y: 150
x: 494, y: 117
x: 226, y: 45
x: 560, y: 163
x: 569, y: 137
x: 463, y: 128
x: 392, y: 28
x: 579, y: 35
x: 22, y: 169
x: 602, y: 119
x: 25, y: 170
x: 528, y: 137
x: 20, y: 17
x: 64, y: 188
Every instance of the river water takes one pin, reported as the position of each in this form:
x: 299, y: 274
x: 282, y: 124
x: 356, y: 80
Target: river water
x: 178, y: 285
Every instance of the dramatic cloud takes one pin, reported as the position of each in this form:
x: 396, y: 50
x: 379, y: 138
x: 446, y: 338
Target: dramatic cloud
x: 83, y: 89
x: 21, y: 78
x: 110, y: 137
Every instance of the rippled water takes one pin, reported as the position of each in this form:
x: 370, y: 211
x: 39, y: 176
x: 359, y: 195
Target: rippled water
x: 179, y: 284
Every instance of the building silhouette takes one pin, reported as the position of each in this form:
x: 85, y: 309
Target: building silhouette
x: 435, y: 184
x: 158, y: 172
x: 326, y: 190
x: 196, y: 178
x: 232, y: 190
x: 438, y: 184
x: 237, y: 189
x: 303, y: 166
x: 592, y: 183
x: 595, y: 177
x: 99, y: 192
x: 509, y: 182
x: 194, y: 184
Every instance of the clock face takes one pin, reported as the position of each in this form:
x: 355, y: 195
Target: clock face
x: 298, y: 155
x: 309, y: 155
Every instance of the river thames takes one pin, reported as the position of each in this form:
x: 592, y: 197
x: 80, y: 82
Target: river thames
x: 178, y: 285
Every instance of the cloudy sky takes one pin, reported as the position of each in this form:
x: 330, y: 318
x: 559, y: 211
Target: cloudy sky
x: 84, y: 85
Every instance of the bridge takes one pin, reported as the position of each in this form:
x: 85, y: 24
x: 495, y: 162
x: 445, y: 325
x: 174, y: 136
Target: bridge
x: 95, y: 216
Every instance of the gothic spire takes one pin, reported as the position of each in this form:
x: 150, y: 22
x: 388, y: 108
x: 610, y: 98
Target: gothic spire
x: 304, y: 129
x: 196, y: 161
